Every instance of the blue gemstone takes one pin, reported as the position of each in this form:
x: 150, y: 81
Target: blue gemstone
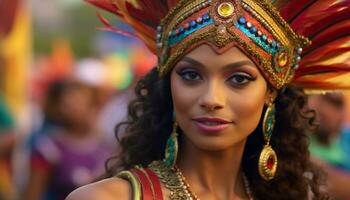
x: 193, y: 24
x: 253, y: 29
x: 242, y: 20
x: 274, y: 44
x: 206, y: 17
x: 181, y: 29
x: 264, y: 37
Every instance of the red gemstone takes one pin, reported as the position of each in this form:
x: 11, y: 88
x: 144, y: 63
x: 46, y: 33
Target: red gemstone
x: 187, y: 26
x: 270, y: 162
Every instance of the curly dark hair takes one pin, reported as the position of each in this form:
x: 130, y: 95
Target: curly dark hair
x: 149, y: 124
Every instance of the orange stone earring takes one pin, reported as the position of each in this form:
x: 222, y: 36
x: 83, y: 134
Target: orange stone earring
x: 268, y: 157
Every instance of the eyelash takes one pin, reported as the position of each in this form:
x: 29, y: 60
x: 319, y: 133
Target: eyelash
x: 185, y: 73
x: 246, y: 79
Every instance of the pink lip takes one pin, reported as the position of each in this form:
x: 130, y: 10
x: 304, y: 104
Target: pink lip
x: 221, y: 124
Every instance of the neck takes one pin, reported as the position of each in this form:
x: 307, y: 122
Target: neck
x: 214, y: 173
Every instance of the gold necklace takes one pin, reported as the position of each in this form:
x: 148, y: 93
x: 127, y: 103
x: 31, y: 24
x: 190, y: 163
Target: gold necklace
x: 170, y: 180
x: 187, y: 185
x: 176, y: 183
x: 195, y: 197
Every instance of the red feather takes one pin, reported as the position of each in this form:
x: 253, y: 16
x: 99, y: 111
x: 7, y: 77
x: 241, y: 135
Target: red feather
x: 325, y: 54
x: 141, y: 15
x: 294, y: 8
x: 327, y: 24
x: 319, y: 16
x: 105, y: 5
x: 319, y: 69
x: 8, y: 9
x: 155, y: 10
x: 109, y: 27
x: 330, y: 49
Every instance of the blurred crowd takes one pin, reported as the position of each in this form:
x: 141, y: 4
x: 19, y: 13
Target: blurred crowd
x: 58, y: 113
x: 58, y: 110
x: 73, y: 109
x: 330, y: 141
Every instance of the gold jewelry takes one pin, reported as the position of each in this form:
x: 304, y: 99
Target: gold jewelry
x: 254, y: 26
x: 182, y: 178
x: 176, y: 183
x: 259, y: 29
x: 170, y: 180
x: 171, y: 147
x: 268, y: 159
x: 195, y: 197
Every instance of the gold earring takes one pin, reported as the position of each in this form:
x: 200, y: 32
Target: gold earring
x: 171, y: 148
x: 268, y: 158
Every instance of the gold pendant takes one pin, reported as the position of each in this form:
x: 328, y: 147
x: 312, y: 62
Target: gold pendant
x: 267, y: 163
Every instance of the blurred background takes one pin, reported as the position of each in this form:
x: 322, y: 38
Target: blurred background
x: 64, y: 85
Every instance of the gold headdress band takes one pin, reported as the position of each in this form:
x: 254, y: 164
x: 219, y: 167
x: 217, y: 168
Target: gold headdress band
x: 253, y: 26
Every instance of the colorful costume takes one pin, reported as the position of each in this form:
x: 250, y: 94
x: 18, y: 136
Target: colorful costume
x: 302, y: 43
x: 70, y: 163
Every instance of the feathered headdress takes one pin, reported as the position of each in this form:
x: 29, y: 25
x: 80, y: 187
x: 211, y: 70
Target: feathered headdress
x: 272, y: 35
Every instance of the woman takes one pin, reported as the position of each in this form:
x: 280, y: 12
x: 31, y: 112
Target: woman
x: 222, y: 103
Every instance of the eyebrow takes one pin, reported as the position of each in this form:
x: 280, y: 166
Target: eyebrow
x: 231, y: 65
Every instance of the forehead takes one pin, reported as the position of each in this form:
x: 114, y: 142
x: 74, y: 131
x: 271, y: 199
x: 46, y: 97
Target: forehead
x: 206, y: 55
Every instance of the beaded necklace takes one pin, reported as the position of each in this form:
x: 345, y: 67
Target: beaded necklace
x: 192, y: 196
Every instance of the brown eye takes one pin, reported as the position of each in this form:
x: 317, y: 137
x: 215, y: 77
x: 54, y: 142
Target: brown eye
x: 189, y: 75
x: 240, y: 79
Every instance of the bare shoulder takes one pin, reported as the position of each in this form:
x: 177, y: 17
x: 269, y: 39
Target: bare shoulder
x: 108, y: 189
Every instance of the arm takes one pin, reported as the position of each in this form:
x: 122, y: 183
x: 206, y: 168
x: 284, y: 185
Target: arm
x: 108, y: 189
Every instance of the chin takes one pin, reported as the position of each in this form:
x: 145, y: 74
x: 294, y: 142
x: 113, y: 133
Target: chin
x: 212, y: 147
x: 216, y: 143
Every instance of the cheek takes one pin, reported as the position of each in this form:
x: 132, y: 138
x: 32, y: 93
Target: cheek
x: 183, y: 96
x: 248, y: 107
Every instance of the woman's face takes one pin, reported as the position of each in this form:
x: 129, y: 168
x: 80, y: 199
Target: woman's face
x: 218, y: 99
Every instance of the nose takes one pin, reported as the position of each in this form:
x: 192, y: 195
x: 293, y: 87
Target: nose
x: 213, y: 97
